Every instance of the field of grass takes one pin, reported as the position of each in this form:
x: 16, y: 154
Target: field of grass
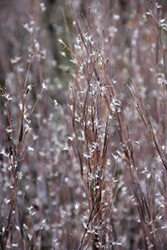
x: 83, y: 125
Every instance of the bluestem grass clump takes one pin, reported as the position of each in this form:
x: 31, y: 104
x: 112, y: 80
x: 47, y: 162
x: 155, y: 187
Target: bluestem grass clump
x: 83, y: 166
x: 121, y: 180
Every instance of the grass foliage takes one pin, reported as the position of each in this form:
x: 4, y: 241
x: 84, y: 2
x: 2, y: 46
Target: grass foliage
x: 83, y: 159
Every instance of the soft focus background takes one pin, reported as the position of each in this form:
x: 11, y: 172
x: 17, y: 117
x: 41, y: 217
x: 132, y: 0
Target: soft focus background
x: 83, y: 131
